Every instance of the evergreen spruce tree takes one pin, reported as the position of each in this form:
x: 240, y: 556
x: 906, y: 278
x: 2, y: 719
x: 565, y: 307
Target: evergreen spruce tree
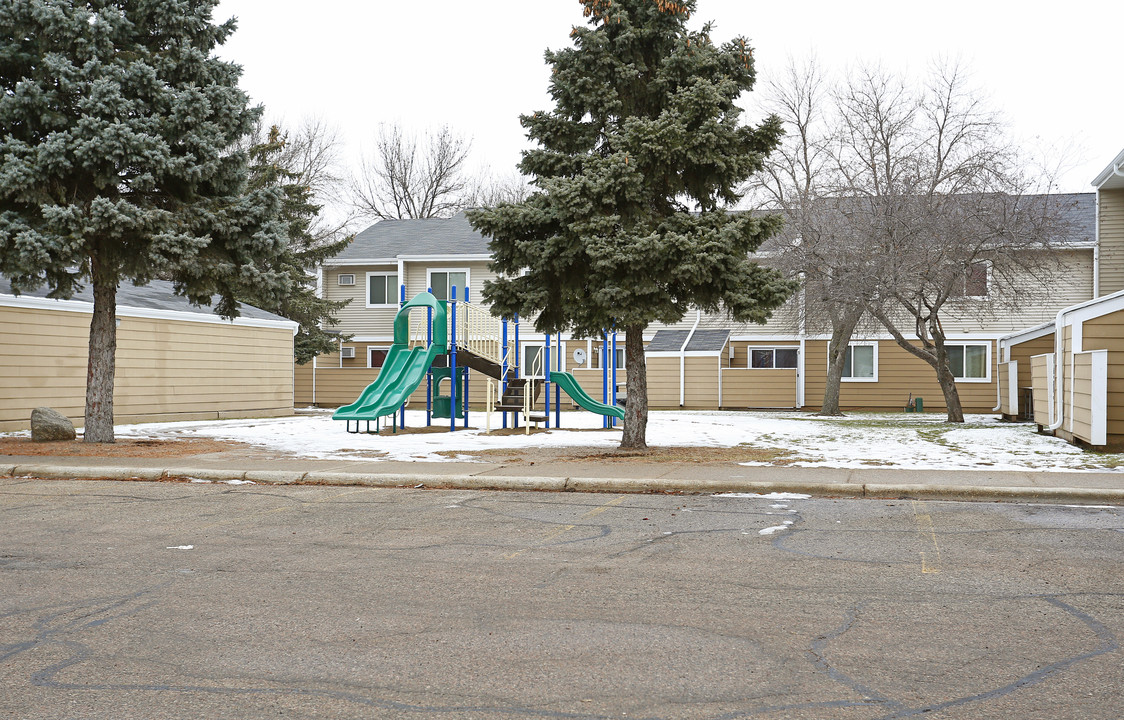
x: 302, y: 253
x: 116, y: 128
x: 636, y: 165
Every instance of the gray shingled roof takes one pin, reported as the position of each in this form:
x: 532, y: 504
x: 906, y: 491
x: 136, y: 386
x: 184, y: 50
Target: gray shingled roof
x: 1077, y: 210
x: 1080, y: 213
x: 431, y: 236
x: 701, y: 341
x: 157, y: 295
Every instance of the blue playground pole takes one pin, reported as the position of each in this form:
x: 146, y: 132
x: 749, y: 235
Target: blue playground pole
x: 605, y: 376
x: 518, y: 370
x: 503, y: 370
x: 466, y: 374
x: 558, y: 390
x: 453, y: 360
x: 402, y: 302
x: 546, y: 379
x: 429, y: 372
x: 613, y: 386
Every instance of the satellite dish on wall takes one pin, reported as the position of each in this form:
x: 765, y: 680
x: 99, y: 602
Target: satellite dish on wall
x: 579, y: 356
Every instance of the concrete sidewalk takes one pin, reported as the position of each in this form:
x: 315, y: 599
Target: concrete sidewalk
x: 586, y: 476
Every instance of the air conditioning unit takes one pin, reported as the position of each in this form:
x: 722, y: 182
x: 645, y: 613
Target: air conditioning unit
x: 346, y: 279
x: 347, y: 353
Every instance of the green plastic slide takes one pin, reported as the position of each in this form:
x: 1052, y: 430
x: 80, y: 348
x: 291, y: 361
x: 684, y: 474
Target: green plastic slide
x: 569, y: 384
x: 401, y: 373
x: 404, y: 367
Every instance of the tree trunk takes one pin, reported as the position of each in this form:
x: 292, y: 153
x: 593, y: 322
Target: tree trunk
x: 636, y: 408
x: 935, y: 355
x: 842, y: 329
x: 101, y: 368
x: 955, y: 411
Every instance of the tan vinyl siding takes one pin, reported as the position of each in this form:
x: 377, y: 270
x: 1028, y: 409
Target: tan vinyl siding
x: 1111, y: 237
x: 1023, y: 352
x: 1081, y: 410
x: 1041, y: 367
x: 1107, y: 333
x: 166, y: 369
x: 900, y: 374
x: 1072, y: 283
x: 701, y: 378
x: 751, y: 388
x: 356, y: 318
x: 1004, y: 396
x: 663, y: 382
x: 417, y: 276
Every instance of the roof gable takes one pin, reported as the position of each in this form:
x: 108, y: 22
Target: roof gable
x: 389, y: 239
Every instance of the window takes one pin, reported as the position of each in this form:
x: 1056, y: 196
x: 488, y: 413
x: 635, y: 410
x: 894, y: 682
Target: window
x: 534, y: 360
x: 861, y: 364
x: 346, y: 278
x: 620, y: 356
x: 440, y: 281
x: 382, y: 289
x: 975, y: 284
x: 772, y: 358
x: 968, y: 362
x: 376, y: 356
x: 975, y: 281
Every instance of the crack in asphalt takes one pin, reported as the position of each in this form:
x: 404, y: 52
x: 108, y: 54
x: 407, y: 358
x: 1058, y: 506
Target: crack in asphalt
x: 817, y: 652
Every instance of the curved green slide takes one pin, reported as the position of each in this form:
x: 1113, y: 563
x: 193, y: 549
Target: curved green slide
x: 569, y: 384
x: 401, y: 373
x: 404, y: 367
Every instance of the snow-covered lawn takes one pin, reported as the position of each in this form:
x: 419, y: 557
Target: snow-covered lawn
x: 858, y: 440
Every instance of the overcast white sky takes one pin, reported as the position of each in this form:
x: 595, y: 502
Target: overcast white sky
x: 1053, y: 70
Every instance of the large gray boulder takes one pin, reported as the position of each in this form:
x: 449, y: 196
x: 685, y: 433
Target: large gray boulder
x: 48, y: 425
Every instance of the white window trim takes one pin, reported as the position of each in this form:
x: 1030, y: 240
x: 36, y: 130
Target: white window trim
x: 374, y: 347
x: 525, y: 369
x: 861, y: 379
x: 341, y: 276
x: 597, y: 354
x: 979, y: 298
x: 774, y: 348
x: 467, y: 278
x: 367, y: 289
x: 987, y: 360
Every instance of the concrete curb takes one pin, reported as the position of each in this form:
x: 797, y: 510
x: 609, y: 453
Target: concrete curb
x: 579, y: 484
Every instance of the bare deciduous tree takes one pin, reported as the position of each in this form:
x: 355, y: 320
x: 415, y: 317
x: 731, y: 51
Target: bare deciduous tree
x: 817, y: 243
x: 408, y: 177
x: 897, y: 198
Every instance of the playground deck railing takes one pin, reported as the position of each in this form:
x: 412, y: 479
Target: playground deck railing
x: 481, y: 333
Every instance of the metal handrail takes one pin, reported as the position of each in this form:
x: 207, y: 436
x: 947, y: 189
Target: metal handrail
x: 536, y: 371
x: 490, y: 403
x: 481, y: 333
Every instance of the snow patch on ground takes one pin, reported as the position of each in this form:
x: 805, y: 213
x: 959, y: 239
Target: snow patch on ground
x: 771, y: 530
x: 767, y: 496
x: 860, y: 440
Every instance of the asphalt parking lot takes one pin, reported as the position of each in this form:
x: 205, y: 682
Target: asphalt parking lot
x: 189, y: 600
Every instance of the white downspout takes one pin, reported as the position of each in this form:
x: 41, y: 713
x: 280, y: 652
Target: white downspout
x: 1059, y: 365
x: 683, y: 359
x: 1097, y: 246
x: 998, y: 386
x: 803, y: 345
